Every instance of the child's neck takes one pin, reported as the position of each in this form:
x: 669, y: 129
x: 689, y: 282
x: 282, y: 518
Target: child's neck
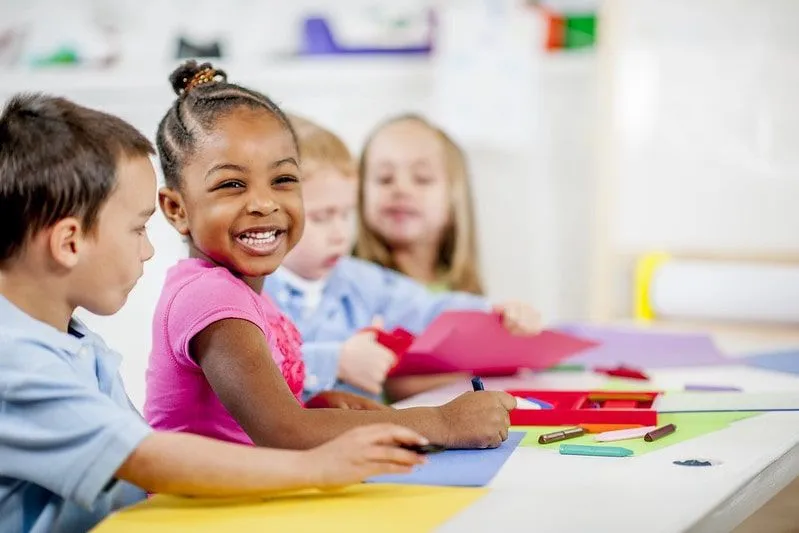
x: 35, y: 297
x: 419, y: 261
x: 256, y: 283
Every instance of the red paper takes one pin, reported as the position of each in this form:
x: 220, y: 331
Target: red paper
x: 477, y: 342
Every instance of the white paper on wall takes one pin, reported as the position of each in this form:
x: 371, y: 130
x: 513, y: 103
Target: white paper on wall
x: 485, y: 71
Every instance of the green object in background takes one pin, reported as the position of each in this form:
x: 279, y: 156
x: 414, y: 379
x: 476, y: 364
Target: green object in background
x: 63, y: 56
x: 689, y: 426
x: 580, y: 31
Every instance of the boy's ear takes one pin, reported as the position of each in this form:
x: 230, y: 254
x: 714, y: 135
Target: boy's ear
x: 65, y: 241
x: 171, y: 203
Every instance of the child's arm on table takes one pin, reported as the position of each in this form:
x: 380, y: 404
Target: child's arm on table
x: 336, y: 399
x: 190, y: 465
x: 66, y: 436
x: 237, y: 363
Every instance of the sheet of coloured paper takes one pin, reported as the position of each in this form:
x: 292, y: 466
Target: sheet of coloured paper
x: 459, y: 468
x: 689, y: 426
x: 475, y: 341
x: 364, y: 508
x: 638, y: 348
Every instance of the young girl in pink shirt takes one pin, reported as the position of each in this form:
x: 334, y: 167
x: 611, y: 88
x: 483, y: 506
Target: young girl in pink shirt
x: 225, y: 362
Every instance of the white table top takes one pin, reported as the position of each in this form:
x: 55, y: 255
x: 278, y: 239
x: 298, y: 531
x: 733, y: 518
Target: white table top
x: 538, y: 489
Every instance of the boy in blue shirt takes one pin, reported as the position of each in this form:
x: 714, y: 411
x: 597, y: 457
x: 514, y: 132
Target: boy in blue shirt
x: 76, y: 190
x: 331, y: 296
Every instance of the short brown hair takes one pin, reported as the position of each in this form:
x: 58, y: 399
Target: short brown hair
x: 57, y: 160
x: 319, y: 146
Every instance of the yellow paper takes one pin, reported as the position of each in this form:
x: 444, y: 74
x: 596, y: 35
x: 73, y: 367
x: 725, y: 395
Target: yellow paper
x: 363, y: 508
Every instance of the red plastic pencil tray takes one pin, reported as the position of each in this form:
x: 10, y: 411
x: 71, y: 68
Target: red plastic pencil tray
x: 586, y: 407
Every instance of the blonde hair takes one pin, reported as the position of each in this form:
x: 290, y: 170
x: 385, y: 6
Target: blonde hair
x: 319, y: 147
x: 458, y: 256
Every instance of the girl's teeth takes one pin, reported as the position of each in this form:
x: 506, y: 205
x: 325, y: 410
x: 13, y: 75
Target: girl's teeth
x: 259, y: 238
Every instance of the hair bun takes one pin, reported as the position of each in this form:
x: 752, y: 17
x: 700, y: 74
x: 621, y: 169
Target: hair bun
x: 191, y: 74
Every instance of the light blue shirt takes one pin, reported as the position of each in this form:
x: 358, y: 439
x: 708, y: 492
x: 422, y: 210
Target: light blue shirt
x: 356, y: 292
x: 66, y: 426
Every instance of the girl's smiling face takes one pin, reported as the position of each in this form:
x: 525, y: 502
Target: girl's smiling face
x: 240, y: 201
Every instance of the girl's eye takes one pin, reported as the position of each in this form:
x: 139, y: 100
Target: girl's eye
x: 232, y: 184
x: 318, y: 218
x: 423, y: 180
x: 286, y: 179
x: 384, y: 180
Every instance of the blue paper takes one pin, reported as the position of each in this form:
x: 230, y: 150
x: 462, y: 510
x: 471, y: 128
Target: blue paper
x: 458, y: 468
x: 786, y: 361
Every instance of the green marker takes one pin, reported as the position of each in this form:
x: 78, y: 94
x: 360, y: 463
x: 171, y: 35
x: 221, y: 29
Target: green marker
x: 566, y: 368
x: 595, y: 451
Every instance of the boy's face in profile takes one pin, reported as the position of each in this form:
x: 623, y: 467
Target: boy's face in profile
x: 112, y: 255
x: 330, y: 199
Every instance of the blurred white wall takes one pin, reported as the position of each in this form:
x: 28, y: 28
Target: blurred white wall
x: 699, y: 125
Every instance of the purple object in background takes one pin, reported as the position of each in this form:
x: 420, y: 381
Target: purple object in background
x: 643, y: 349
x: 711, y: 388
x: 317, y: 39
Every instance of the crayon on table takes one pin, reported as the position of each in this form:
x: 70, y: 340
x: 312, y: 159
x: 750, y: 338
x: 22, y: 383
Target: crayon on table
x: 564, y: 434
x: 602, y: 428
x: 623, y: 372
x: 624, y: 434
x: 595, y: 451
x: 712, y: 388
x: 660, y: 432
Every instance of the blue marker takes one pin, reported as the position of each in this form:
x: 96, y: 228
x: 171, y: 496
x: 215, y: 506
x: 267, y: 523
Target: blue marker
x: 477, y: 384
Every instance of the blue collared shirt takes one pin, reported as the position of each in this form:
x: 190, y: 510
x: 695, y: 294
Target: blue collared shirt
x: 356, y: 292
x: 66, y: 426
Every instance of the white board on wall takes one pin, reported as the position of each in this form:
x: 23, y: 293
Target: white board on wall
x: 707, y: 124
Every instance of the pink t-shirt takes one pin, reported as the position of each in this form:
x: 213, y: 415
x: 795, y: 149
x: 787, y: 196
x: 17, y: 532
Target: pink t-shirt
x: 196, y: 294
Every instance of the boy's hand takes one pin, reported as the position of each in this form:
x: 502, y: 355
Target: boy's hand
x: 477, y: 419
x: 365, y: 452
x: 344, y: 400
x: 519, y: 318
x: 365, y: 363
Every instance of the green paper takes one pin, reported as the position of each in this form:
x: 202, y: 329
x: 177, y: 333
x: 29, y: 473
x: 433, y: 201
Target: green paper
x: 689, y: 426
x: 566, y: 368
x: 622, y: 384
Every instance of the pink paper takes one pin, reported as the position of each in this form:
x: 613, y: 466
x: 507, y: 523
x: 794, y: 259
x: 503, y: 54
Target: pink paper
x: 477, y: 342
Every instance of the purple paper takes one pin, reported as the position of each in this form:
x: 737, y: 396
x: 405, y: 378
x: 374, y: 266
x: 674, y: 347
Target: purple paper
x: 458, y: 468
x: 711, y: 388
x: 643, y: 349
